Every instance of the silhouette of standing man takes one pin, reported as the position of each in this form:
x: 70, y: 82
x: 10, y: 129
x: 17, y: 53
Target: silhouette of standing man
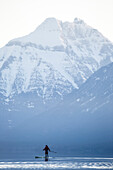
x: 46, y: 149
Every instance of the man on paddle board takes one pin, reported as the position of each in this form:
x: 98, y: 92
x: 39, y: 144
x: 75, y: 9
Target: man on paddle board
x: 46, y: 149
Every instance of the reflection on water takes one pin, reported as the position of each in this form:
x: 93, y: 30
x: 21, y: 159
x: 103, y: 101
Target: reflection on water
x: 60, y: 163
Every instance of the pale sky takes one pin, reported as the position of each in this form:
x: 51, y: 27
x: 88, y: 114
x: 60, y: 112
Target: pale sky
x: 20, y: 17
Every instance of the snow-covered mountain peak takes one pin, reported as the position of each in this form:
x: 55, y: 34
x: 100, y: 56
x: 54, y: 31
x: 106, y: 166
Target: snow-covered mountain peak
x: 53, y: 59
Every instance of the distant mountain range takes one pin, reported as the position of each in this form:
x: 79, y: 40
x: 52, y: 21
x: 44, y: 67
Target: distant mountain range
x: 57, y: 82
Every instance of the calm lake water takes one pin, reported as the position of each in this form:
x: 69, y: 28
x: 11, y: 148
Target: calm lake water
x: 58, y: 163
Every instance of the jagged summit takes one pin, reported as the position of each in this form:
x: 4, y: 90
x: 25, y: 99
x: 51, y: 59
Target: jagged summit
x: 53, y: 32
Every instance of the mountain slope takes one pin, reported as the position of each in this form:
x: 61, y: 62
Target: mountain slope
x: 97, y: 92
